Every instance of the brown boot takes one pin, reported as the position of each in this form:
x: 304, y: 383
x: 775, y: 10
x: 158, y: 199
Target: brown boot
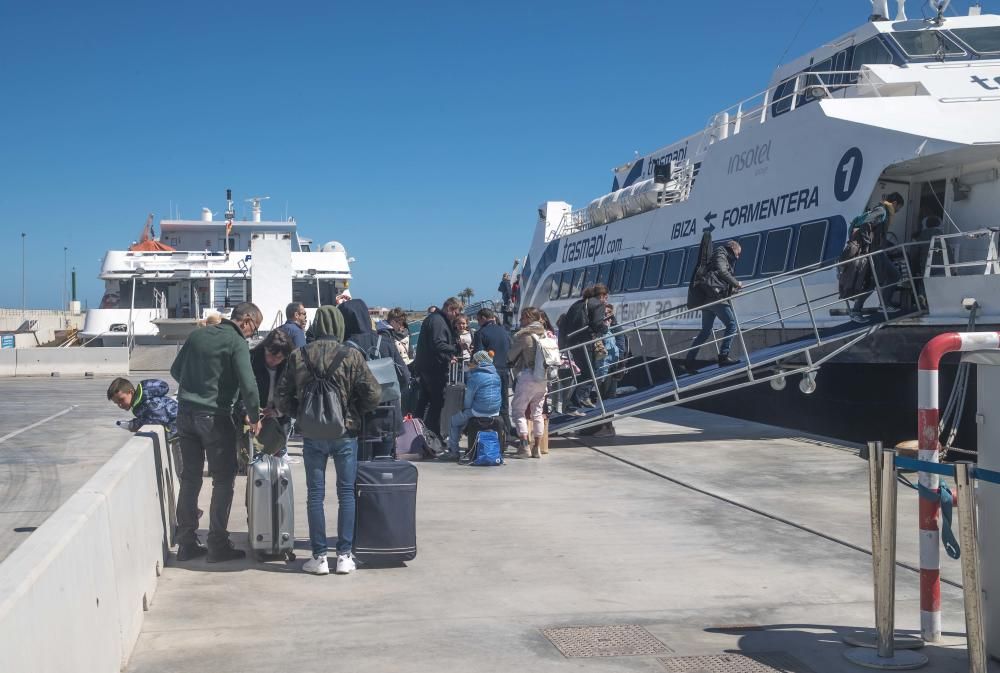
x: 536, y: 451
x: 522, y: 448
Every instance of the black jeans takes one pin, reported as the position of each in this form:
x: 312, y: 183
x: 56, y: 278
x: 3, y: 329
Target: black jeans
x: 213, y: 436
x: 432, y: 385
x: 583, y: 357
x: 505, y: 399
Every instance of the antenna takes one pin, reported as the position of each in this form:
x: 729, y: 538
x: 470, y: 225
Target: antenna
x: 254, y: 202
x: 230, y: 214
x: 880, y: 10
x: 901, y: 11
x: 939, y: 6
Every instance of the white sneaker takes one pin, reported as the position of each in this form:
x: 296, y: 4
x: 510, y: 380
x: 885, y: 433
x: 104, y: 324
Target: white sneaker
x: 317, y: 565
x: 345, y: 564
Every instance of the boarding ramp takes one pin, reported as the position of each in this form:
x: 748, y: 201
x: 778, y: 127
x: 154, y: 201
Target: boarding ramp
x: 797, y: 302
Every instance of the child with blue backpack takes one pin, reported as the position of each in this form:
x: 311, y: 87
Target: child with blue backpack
x: 482, y: 397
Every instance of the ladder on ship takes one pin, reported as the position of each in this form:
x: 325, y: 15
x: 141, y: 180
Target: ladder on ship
x: 790, y: 304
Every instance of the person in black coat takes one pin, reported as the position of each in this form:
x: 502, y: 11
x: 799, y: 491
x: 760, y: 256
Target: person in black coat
x: 436, y: 350
x: 379, y: 428
x: 492, y: 337
x: 720, y: 267
x: 267, y: 360
x: 584, y: 322
x: 506, y: 294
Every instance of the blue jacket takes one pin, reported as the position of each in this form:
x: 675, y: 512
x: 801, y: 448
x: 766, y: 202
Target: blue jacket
x: 482, y: 391
x: 152, y: 406
x: 295, y: 333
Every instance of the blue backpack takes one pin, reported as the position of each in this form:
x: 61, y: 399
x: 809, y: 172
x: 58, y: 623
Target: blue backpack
x: 486, y: 450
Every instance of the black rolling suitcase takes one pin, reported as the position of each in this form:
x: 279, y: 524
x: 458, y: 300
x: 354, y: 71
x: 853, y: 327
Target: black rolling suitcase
x: 385, y: 520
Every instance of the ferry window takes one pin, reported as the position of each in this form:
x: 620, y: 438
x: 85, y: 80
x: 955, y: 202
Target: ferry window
x: 654, y: 266
x: 782, y: 97
x: 633, y: 274
x: 617, y: 276
x: 303, y: 290
x: 823, y: 67
x: 871, y: 52
x: 577, y: 282
x: 689, y: 266
x: 673, y: 268
x: 925, y: 43
x: 809, y: 248
x: 566, y: 286
x: 590, y: 277
x: 604, y: 273
x: 984, y: 40
x: 554, y: 286
x: 747, y: 262
x: 776, y: 251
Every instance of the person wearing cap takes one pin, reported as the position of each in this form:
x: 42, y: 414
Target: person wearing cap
x: 482, y: 397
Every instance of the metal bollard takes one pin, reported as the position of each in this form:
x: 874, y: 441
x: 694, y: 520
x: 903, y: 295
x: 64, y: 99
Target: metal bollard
x: 885, y: 603
x: 971, y: 579
x: 885, y: 655
x: 870, y: 638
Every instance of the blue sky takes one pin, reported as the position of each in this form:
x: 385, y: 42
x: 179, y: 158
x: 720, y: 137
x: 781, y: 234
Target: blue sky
x: 421, y: 135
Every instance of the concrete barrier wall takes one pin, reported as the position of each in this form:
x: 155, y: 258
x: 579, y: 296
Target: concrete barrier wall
x: 72, y: 595
x: 66, y: 361
x: 8, y: 361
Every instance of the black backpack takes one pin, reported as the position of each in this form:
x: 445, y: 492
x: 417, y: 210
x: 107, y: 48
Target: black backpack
x: 321, y: 411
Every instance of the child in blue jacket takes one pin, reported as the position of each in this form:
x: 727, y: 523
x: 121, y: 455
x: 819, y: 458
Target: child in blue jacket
x: 482, y: 397
x: 148, y: 402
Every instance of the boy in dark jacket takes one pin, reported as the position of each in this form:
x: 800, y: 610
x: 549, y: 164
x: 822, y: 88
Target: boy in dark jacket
x: 148, y: 402
x: 359, y: 392
x: 382, y: 425
x: 722, y: 263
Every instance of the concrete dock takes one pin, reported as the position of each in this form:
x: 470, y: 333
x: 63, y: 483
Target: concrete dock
x: 54, y: 435
x: 689, y: 542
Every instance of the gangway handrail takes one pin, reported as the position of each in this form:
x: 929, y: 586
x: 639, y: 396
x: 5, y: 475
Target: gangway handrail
x: 814, y: 269
x: 794, y: 280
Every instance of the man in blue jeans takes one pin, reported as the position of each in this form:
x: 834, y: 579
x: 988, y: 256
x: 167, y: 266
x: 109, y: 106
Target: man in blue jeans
x: 360, y: 393
x: 721, y: 264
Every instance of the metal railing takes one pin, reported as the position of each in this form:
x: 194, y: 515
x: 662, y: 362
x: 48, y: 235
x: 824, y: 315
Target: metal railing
x: 674, y: 191
x: 471, y: 310
x: 785, y: 301
x: 947, y: 249
x: 803, y: 88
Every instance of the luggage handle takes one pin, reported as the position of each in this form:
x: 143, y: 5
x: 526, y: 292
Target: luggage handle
x: 454, y: 372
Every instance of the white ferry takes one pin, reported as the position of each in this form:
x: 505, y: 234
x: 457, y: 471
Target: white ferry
x: 906, y: 105
x: 157, y: 290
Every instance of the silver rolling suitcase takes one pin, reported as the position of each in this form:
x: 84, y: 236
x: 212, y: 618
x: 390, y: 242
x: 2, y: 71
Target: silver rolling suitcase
x: 270, y: 508
x: 454, y: 397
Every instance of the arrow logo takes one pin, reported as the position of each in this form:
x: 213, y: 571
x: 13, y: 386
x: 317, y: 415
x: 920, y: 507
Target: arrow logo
x: 709, y: 216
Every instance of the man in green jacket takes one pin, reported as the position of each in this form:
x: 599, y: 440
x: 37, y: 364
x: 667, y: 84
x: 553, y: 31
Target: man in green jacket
x: 212, y: 371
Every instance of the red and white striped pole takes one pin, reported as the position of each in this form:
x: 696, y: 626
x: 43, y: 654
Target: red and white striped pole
x: 928, y: 418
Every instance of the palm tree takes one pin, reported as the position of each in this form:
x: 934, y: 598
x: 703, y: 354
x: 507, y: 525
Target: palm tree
x: 466, y: 295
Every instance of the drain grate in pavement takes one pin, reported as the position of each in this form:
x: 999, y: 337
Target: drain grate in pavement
x: 762, y: 662
x: 616, y: 640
